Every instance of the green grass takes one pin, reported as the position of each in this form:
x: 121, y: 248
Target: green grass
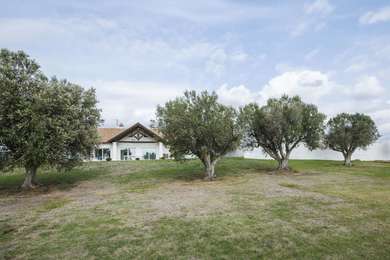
x: 11, y: 181
x: 164, y: 210
x: 54, y: 204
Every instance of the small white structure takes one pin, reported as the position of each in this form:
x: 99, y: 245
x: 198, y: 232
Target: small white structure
x: 134, y: 143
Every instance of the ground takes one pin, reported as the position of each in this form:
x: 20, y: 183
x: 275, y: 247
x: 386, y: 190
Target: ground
x: 163, y: 209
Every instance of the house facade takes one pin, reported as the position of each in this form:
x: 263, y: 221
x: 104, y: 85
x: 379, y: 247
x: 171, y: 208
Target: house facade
x: 137, y: 142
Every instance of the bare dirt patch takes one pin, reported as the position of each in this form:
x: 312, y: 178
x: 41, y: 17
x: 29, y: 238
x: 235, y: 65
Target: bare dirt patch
x: 188, y: 200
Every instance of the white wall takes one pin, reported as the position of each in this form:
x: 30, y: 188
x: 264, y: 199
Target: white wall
x: 139, y: 148
x: 377, y: 151
x: 133, y: 139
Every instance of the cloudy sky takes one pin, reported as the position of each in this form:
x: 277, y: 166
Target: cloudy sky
x: 138, y: 54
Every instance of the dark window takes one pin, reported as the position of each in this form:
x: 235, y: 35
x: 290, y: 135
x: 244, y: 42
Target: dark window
x: 150, y: 156
x: 102, y: 154
x: 106, y: 153
x: 124, y: 154
x: 98, y: 154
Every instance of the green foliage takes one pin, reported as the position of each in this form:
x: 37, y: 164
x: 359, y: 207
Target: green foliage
x: 281, y: 125
x: 197, y: 124
x: 348, y: 132
x: 21, y: 81
x: 43, y: 121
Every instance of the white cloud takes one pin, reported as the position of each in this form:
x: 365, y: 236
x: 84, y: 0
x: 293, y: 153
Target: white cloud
x: 219, y: 59
x: 367, y: 95
x: 131, y: 102
x: 316, y: 87
x: 236, y: 96
x: 309, y: 84
x: 367, y: 87
x: 384, y: 129
x: 239, y: 56
x: 322, y: 7
x: 19, y: 30
x: 104, y: 47
x: 381, y: 114
x: 283, y: 67
x: 372, y: 17
x: 314, y: 19
x: 208, y: 12
x: 381, y: 118
x: 216, y: 63
x: 358, y: 66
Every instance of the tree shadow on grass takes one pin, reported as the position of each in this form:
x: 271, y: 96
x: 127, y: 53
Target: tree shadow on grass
x: 193, y: 170
x: 48, y: 179
x: 187, y: 171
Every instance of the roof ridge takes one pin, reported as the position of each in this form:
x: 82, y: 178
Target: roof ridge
x: 126, y: 130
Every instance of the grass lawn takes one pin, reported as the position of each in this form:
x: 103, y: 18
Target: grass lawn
x: 164, y: 210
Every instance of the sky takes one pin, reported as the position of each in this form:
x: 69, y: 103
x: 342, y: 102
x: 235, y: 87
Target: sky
x: 137, y: 54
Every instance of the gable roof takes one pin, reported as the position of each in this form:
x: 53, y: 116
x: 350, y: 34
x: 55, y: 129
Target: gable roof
x: 131, y: 129
x: 106, y: 134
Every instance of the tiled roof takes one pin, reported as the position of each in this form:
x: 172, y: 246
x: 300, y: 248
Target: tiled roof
x: 106, y: 134
x: 136, y: 126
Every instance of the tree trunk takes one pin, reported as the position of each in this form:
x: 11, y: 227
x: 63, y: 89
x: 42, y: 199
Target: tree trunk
x: 29, y: 181
x: 347, y: 159
x: 283, y: 164
x: 210, y: 168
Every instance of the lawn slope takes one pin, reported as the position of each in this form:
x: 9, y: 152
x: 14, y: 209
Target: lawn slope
x: 163, y: 209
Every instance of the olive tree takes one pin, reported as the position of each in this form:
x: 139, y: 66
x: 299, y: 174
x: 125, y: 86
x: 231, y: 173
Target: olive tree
x: 43, y: 121
x: 280, y: 126
x: 348, y: 132
x: 196, y: 124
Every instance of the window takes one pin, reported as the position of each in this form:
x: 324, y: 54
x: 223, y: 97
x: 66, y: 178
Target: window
x: 102, y: 154
x: 98, y: 154
x: 106, y: 153
x: 150, y: 156
x: 126, y: 154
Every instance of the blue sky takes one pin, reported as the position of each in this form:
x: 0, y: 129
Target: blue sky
x: 138, y: 54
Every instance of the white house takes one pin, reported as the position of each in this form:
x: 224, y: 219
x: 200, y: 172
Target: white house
x: 137, y: 142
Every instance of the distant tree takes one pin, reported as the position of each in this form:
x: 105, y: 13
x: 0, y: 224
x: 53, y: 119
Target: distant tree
x: 197, y: 124
x: 348, y: 132
x: 43, y: 121
x: 280, y: 126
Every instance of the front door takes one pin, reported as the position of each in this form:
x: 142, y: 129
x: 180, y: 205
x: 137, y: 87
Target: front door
x: 124, y: 154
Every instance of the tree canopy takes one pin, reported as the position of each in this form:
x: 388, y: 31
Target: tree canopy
x: 280, y: 126
x: 197, y: 124
x: 348, y: 132
x: 43, y: 121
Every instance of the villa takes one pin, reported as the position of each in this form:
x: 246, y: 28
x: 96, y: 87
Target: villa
x: 137, y: 142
